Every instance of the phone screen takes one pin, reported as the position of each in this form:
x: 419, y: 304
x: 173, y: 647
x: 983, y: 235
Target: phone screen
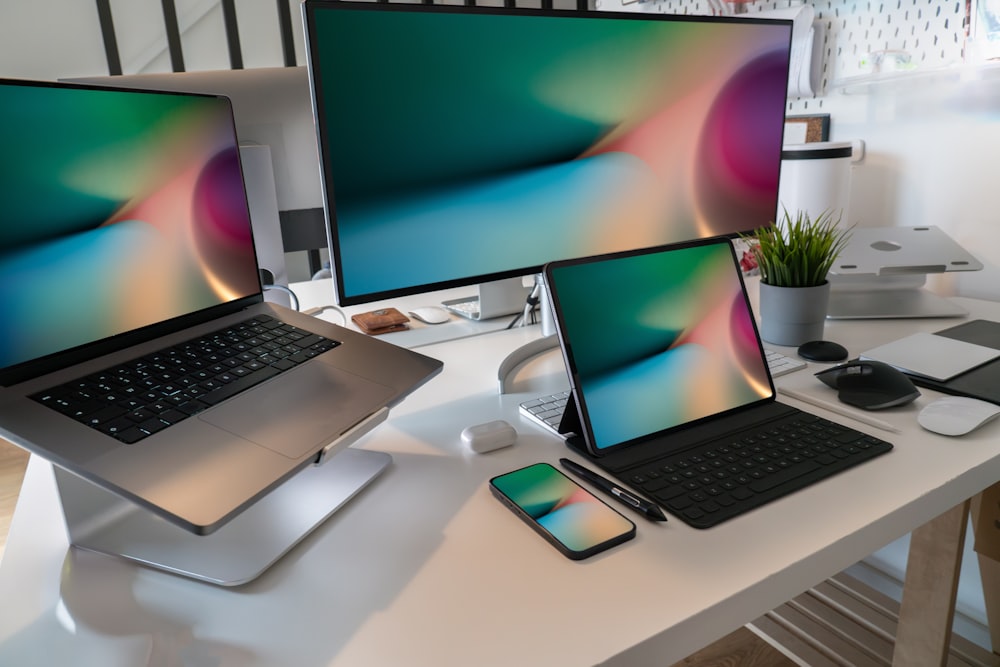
x: 574, y: 520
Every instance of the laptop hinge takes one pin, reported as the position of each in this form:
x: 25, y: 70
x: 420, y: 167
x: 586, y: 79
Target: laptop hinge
x: 352, y: 435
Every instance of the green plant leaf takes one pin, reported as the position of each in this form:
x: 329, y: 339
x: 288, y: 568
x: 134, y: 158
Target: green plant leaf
x: 800, y: 251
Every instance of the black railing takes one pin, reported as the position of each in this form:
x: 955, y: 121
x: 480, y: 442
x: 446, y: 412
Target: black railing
x: 285, y: 31
x: 110, y: 39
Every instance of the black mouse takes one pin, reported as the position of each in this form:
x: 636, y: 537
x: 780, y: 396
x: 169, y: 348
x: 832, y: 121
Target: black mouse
x: 822, y: 350
x: 869, y: 385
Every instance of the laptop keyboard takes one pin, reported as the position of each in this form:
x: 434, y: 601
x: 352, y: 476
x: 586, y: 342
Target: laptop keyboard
x: 708, y: 485
x: 146, y: 395
x: 547, y: 410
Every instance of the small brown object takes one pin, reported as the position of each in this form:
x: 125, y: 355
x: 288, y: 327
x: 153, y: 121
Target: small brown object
x: 381, y: 321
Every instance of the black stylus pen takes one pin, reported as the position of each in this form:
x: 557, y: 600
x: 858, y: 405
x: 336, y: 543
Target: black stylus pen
x: 648, y: 509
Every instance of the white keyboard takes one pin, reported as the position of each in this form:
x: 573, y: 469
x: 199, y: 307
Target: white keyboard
x: 468, y: 308
x: 547, y: 410
x: 779, y: 363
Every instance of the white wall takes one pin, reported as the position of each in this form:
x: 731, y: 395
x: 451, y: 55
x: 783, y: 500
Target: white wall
x: 931, y: 151
x: 47, y: 39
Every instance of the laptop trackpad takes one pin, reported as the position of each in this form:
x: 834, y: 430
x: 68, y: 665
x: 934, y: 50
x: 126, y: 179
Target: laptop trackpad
x: 301, y: 410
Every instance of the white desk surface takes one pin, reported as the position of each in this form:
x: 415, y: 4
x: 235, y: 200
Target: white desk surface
x: 426, y: 568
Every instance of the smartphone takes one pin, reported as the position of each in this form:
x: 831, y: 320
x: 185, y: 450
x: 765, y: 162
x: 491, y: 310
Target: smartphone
x: 572, y: 519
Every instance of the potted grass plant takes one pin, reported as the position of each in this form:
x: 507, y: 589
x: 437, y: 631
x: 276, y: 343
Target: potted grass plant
x: 794, y: 257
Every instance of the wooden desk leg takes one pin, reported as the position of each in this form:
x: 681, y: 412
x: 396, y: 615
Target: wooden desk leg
x: 928, y: 606
x: 985, y: 522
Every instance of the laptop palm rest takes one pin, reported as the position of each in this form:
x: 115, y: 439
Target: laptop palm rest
x: 325, y: 400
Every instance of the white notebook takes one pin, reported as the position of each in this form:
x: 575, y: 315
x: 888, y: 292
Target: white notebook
x: 931, y: 356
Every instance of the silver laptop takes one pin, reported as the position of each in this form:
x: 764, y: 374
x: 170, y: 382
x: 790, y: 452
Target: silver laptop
x: 126, y: 255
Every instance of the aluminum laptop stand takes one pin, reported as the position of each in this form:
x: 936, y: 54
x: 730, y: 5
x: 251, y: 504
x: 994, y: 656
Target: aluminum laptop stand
x: 882, y: 271
x: 241, y: 550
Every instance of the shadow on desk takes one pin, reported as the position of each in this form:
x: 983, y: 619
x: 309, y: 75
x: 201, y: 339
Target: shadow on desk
x: 102, y: 598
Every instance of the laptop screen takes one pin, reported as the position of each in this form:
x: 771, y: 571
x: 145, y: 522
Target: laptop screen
x: 121, y: 209
x: 657, y: 339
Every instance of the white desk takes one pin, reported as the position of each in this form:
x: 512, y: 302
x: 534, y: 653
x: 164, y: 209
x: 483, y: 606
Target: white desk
x: 426, y: 568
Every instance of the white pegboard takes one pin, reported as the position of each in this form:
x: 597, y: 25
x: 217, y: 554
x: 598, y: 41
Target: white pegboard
x: 931, y: 31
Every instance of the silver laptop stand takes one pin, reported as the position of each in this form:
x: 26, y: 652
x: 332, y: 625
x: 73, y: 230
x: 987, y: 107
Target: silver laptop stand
x: 887, y: 297
x: 882, y: 271
x: 236, y: 553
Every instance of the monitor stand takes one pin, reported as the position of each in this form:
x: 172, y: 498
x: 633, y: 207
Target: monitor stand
x: 548, y: 341
x: 494, y: 299
x: 238, y: 552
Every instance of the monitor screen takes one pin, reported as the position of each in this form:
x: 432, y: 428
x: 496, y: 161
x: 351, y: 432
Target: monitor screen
x: 460, y: 145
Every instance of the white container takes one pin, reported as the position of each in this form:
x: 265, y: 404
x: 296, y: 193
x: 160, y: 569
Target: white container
x: 815, y: 178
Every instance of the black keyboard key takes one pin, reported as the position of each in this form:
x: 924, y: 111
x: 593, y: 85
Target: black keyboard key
x: 131, y: 435
x: 725, y: 500
x: 152, y: 426
x: 104, y: 415
x: 193, y: 407
x: 679, y: 504
x: 693, y: 513
x: 668, y: 492
x: 116, y: 426
x: 282, y: 364
x: 742, y: 493
x: 238, y: 385
x: 172, y: 416
x: 308, y: 341
x: 139, y: 415
x: 780, y: 477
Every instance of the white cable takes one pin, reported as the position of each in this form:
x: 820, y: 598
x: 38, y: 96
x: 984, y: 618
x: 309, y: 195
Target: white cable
x: 282, y: 288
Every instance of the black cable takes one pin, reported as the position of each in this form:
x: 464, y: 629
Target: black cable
x: 527, y: 316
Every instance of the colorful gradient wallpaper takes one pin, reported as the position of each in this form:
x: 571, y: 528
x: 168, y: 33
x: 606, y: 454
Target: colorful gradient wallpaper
x: 569, y: 513
x: 658, y: 339
x: 487, y: 142
x: 120, y: 210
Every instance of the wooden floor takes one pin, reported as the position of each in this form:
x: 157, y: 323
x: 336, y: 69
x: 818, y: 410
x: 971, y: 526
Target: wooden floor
x: 740, y: 649
x: 12, y: 462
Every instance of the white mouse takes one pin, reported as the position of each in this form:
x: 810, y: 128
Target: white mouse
x: 957, y: 415
x: 430, y: 314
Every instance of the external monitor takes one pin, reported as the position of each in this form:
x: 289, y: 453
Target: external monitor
x: 464, y: 145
